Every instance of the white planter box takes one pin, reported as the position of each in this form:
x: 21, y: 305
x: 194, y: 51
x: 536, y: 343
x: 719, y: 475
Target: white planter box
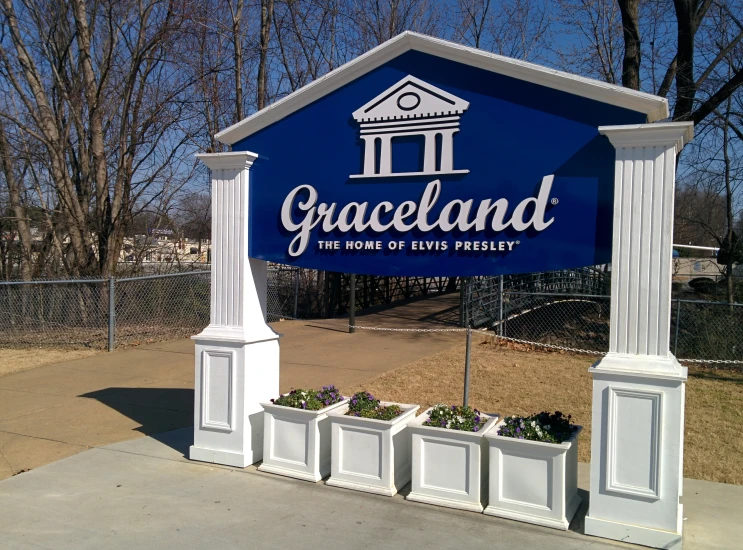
x: 533, y: 481
x: 371, y: 455
x: 296, y: 442
x: 449, y: 466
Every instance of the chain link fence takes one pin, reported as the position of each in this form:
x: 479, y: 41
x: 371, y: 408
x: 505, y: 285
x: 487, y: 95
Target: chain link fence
x: 103, y: 313
x: 543, y: 310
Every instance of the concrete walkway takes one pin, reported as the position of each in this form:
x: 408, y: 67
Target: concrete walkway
x: 55, y: 411
x: 145, y: 494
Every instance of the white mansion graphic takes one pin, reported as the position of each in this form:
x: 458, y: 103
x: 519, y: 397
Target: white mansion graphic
x: 409, y: 108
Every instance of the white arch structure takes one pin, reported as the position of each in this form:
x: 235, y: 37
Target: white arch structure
x: 638, y: 387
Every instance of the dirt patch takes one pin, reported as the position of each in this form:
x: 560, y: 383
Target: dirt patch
x: 14, y: 360
x: 513, y: 379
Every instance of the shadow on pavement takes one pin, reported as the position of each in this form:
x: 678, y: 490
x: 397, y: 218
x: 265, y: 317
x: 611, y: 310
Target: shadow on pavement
x: 156, y: 410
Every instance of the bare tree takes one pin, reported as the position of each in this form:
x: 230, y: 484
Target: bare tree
x: 95, y: 87
x: 15, y: 208
x: 595, y: 31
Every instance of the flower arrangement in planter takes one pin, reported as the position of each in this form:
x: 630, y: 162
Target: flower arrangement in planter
x: 370, y: 445
x: 311, y: 400
x: 296, y: 435
x: 364, y: 405
x: 534, y: 469
x: 450, y: 457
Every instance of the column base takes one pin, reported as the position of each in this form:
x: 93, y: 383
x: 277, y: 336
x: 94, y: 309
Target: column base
x: 227, y: 458
x: 234, y: 374
x: 632, y: 534
x: 637, y: 450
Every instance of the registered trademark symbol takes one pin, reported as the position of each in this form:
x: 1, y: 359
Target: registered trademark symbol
x: 554, y: 201
x: 518, y: 242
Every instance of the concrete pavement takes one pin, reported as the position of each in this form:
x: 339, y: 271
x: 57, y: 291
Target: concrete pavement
x: 55, y: 411
x: 144, y: 494
x: 128, y: 490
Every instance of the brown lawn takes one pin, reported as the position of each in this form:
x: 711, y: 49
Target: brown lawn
x: 511, y: 379
x: 17, y: 360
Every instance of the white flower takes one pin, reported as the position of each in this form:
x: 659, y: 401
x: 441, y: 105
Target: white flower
x: 513, y: 416
x: 547, y: 427
x: 533, y: 424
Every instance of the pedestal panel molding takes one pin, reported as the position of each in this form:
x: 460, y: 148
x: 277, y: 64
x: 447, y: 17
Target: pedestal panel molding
x: 208, y: 392
x: 614, y: 464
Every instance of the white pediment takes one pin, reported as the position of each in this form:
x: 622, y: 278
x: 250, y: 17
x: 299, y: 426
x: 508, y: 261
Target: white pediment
x: 410, y: 98
x: 655, y: 108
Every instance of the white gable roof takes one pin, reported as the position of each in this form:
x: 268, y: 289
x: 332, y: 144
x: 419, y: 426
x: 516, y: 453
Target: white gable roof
x: 410, y: 98
x: 654, y: 107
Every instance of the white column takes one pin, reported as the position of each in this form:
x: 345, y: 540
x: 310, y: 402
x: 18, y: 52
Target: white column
x: 385, y: 155
x: 369, y: 155
x: 429, y: 152
x: 638, y: 387
x: 237, y: 355
x: 447, y: 150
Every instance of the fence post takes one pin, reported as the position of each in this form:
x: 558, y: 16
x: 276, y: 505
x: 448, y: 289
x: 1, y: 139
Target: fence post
x: 500, y: 305
x: 467, y: 366
x: 111, y: 314
x: 296, y: 291
x: 678, y: 323
x: 352, y: 304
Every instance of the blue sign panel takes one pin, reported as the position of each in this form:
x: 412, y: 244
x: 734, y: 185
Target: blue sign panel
x: 425, y: 166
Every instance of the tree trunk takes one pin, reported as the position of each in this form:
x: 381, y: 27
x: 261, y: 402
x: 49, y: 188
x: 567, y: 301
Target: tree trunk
x: 19, y: 212
x: 266, y: 18
x: 685, y: 86
x: 728, y: 207
x: 238, y: 57
x: 632, y: 51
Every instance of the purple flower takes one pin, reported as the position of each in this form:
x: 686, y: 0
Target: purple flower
x: 518, y: 430
x: 521, y: 437
x: 477, y: 428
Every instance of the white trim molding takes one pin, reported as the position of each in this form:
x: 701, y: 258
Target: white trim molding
x: 615, y: 445
x: 654, y: 107
x: 666, y: 134
x: 222, y: 392
x: 239, y: 160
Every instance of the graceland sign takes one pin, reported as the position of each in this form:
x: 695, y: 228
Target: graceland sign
x: 423, y: 157
x: 429, y: 166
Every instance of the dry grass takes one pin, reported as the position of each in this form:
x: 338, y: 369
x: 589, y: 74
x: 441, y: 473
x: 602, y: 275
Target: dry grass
x: 510, y: 380
x: 16, y: 360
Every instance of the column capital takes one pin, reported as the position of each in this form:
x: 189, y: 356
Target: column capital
x: 235, y: 160
x: 669, y: 134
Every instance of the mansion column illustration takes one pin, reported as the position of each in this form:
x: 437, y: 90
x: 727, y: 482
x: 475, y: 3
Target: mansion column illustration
x: 410, y: 108
x: 639, y: 386
x: 385, y: 155
x: 237, y: 355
